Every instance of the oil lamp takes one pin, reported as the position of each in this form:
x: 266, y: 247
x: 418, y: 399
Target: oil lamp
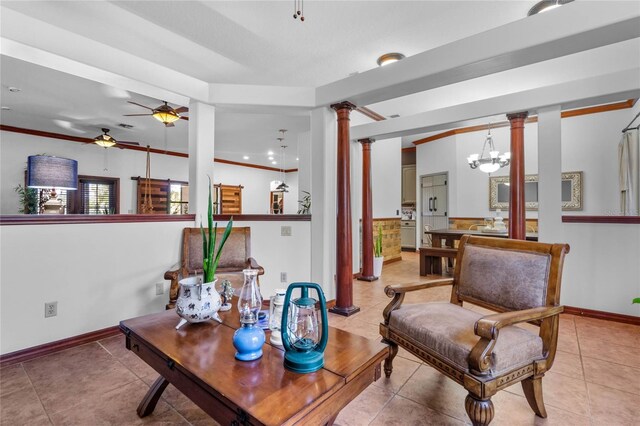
x: 275, y: 316
x: 249, y: 338
x: 303, y: 341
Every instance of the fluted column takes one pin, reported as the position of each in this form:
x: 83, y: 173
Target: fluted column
x: 344, y: 262
x: 517, y: 217
x: 367, y: 214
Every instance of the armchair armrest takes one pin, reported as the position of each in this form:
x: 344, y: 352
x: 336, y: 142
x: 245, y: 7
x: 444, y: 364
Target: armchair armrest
x: 488, y: 328
x: 173, y: 276
x: 489, y: 325
x: 252, y: 264
x: 398, y: 291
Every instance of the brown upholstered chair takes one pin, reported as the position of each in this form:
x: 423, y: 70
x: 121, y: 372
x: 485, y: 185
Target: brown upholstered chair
x: 236, y: 256
x: 485, y: 354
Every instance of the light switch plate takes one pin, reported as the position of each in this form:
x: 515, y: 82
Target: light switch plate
x: 285, y: 231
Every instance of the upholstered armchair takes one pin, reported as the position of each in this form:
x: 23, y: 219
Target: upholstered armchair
x: 236, y: 256
x: 485, y: 353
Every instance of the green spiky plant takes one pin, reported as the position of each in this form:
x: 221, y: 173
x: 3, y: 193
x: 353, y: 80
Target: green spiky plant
x: 377, y: 244
x: 636, y: 300
x: 211, y: 257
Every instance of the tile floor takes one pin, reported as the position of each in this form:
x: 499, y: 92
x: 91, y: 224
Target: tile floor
x: 595, y: 379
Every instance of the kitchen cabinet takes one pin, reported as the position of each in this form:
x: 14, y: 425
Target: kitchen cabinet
x: 409, y: 184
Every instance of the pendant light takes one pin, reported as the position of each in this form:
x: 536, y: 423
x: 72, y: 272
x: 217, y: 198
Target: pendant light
x: 283, y: 186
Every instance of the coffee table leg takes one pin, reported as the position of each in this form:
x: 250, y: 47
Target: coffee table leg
x: 148, y: 403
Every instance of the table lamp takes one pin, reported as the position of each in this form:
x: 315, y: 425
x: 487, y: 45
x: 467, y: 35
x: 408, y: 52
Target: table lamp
x: 45, y: 172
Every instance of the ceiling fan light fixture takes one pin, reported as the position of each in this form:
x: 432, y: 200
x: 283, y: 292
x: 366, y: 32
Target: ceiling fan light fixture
x: 389, y: 58
x: 105, y: 140
x: 166, y: 117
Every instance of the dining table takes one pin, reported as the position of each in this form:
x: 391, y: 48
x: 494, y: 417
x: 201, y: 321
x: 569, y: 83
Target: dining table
x: 449, y: 235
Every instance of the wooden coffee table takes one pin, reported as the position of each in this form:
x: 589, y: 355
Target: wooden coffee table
x: 199, y: 360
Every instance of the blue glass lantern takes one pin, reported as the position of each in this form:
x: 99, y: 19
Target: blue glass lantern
x: 304, y: 334
x: 249, y: 338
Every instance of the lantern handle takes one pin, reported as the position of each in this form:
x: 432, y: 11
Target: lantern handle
x: 304, y: 286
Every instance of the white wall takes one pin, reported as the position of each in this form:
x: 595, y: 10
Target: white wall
x: 121, y: 163
x: 589, y: 144
x: 386, y: 177
x: 103, y: 273
x: 124, y: 164
x: 602, y: 270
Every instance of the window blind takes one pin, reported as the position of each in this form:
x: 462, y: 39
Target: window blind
x: 97, y: 197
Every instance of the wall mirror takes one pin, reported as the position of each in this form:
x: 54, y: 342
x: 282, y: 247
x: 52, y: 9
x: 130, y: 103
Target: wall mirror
x: 571, y: 191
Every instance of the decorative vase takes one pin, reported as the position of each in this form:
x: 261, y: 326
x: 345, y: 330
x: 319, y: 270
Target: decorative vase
x: 249, y: 338
x: 377, y: 266
x: 197, y: 302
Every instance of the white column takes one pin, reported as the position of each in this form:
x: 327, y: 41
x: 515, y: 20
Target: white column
x: 201, y: 153
x: 323, y: 199
x: 550, y: 175
x: 304, y: 165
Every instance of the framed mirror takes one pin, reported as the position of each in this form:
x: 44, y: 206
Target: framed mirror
x: 571, y: 191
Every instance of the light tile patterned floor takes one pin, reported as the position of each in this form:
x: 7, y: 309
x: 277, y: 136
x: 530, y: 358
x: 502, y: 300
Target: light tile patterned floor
x: 595, y: 379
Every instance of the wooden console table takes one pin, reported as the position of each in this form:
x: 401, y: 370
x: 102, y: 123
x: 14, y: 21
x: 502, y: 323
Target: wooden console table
x: 199, y: 360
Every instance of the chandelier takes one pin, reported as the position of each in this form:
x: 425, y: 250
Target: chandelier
x: 491, y: 163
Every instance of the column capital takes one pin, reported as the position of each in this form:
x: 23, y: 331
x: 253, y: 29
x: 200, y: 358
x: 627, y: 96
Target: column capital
x: 343, y: 105
x: 518, y: 115
x: 366, y: 140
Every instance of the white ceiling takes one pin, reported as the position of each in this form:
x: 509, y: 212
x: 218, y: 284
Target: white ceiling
x: 258, y: 42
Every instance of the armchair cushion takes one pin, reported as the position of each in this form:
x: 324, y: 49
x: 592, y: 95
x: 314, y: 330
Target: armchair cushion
x: 512, y: 279
x: 448, y: 330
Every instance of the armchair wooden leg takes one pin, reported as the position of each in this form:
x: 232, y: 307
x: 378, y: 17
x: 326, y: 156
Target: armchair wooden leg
x: 480, y: 411
x: 388, y: 363
x: 532, y: 388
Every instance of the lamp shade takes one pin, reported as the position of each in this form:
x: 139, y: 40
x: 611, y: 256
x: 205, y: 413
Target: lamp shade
x: 52, y: 172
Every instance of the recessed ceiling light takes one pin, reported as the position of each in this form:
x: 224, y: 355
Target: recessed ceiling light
x: 394, y: 116
x: 13, y: 89
x: 270, y: 153
x: 389, y: 58
x: 546, y: 5
x: 245, y: 157
x: 125, y: 126
x: 271, y: 158
x: 4, y: 108
x: 274, y: 162
x: 297, y: 159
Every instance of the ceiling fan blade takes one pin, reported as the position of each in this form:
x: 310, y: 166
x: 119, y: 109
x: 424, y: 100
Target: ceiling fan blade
x: 127, y: 143
x: 143, y: 106
x: 169, y: 125
x: 134, y: 115
x: 184, y: 118
x: 181, y: 110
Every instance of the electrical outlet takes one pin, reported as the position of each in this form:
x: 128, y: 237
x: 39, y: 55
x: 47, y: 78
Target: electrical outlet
x: 283, y: 277
x: 285, y: 231
x: 50, y: 309
x: 159, y: 289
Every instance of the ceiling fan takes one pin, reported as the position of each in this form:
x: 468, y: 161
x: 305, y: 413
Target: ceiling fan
x: 164, y: 113
x: 105, y: 140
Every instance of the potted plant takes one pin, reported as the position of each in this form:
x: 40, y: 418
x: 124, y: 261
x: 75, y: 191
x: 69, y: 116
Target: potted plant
x: 305, y: 204
x: 378, y: 258
x: 197, y: 299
